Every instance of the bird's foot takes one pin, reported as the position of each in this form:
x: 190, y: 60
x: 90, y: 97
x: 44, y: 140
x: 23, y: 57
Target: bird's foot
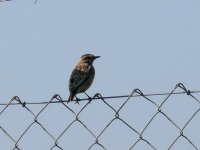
x: 89, y: 99
x: 77, y: 101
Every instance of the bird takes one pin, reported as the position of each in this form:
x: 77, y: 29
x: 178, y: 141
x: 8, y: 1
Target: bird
x: 82, y: 76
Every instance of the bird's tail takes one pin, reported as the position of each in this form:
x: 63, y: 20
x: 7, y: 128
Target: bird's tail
x: 71, y: 96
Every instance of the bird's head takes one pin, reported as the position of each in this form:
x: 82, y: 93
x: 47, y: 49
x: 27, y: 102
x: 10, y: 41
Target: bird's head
x: 88, y: 58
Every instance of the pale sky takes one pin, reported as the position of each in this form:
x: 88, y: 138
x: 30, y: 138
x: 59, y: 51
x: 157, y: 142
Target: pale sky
x: 150, y: 45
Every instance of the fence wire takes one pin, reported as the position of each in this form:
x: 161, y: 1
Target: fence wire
x: 16, y: 140
x: 4, y: 0
x: 35, y: 1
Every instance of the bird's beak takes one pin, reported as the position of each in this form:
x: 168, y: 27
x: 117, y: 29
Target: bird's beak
x: 95, y: 57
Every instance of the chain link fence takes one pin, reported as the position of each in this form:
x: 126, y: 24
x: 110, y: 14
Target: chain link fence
x: 135, y: 121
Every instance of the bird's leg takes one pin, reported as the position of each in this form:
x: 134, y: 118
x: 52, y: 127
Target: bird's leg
x: 89, y: 98
x: 77, y: 100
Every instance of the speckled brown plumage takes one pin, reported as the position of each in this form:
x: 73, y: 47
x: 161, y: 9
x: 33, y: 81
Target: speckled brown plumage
x: 82, y: 76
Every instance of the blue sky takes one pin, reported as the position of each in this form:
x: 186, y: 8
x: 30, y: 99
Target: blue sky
x: 151, y: 45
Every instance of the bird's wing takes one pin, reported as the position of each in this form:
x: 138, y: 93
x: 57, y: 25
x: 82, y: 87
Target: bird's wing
x: 77, y: 77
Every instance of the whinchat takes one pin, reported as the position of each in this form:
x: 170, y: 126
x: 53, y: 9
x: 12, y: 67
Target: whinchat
x: 82, y: 76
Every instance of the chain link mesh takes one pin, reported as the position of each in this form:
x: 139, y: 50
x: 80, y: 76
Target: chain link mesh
x: 151, y: 121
